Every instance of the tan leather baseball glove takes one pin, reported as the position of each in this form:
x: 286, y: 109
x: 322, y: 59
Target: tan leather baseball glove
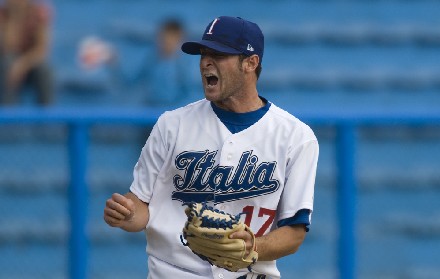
x: 207, y: 233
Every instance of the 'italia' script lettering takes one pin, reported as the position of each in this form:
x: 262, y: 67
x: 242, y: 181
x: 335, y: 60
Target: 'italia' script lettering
x: 201, y: 178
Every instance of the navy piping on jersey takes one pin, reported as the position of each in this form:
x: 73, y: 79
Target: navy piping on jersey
x: 237, y: 122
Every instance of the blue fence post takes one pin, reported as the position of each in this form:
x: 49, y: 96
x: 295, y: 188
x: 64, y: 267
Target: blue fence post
x: 346, y: 200
x: 78, y: 200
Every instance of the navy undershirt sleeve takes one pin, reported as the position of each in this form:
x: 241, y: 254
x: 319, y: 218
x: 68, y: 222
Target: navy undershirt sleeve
x: 301, y: 217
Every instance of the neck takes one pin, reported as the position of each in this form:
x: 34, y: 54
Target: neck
x: 241, y: 105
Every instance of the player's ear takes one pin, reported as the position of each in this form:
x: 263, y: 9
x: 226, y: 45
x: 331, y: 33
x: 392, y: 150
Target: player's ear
x: 252, y: 63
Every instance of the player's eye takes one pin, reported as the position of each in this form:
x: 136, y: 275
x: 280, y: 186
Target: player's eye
x: 218, y: 54
x: 212, y: 54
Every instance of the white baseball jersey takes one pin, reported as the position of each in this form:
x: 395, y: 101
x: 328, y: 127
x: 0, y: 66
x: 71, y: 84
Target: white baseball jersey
x: 267, y: 170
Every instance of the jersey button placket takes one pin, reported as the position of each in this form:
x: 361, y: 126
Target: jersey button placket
x: 229, y: 155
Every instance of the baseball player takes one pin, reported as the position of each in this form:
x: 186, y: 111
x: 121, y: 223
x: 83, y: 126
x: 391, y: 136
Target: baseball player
x: 233, y: 149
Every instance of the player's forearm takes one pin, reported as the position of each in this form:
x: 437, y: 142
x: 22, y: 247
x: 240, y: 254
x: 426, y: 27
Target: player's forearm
x: 280, y: 242
x: 140, y: 217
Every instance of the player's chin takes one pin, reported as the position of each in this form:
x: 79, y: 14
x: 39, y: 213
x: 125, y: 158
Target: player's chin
x: 212, y: 93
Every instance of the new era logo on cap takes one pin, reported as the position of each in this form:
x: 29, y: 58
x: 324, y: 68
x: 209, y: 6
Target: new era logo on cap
x: 232, y: 35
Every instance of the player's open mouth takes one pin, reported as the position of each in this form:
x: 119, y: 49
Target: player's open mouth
x: 211, y: 80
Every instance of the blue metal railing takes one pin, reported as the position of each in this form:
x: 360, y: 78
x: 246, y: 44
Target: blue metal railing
x: 78, y: 200
x: 79, y: 121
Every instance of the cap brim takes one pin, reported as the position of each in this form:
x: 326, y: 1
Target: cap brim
x: 194, y: 47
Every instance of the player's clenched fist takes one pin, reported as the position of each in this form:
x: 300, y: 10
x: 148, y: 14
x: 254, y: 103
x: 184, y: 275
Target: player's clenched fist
x: 127, y: 212
x: 118, y: 210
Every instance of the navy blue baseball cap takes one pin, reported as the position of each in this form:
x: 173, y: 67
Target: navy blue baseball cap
x: 231, y: 35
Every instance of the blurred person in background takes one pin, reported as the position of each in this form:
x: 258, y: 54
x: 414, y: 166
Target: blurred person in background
x: 162, y: 78
x: 167, y: 74
x: 24, y: 45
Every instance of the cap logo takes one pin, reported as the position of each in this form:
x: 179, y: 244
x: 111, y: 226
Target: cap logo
x: 249, y: 47
x: 212, y: 26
